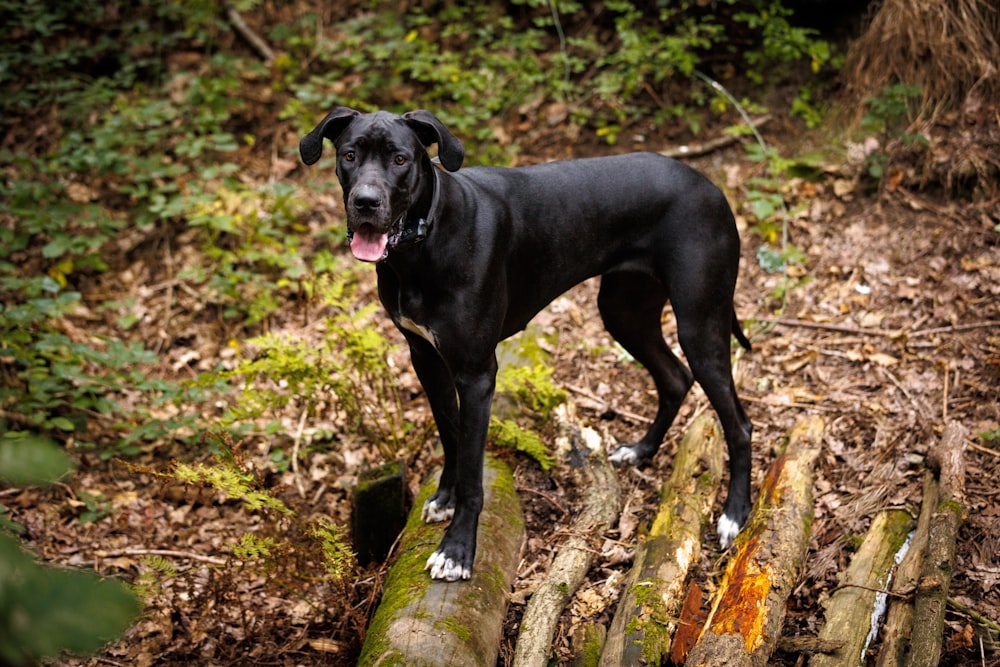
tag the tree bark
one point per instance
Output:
(749, 608)
(570, 566)
(899, 621)
(421, 622)
(932, 590)
(854, 610)
(645, 619)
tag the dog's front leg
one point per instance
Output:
(439, 386)
(454, 558)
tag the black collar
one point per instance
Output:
(415, 231)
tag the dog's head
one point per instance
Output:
(383, 168)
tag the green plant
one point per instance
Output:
(888, 115)
(346, 370)
(473, 62)
(229, 473)
(991, 435)
(508, 433)
(46, 610)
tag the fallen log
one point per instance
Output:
(899, 619)
(854, 610)
(421, 622)
(645, 619)
(749, 607)
(932, 590)
(581, 452)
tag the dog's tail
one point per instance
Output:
(738, 332)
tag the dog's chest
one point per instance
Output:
(409, 315)
(419, 329)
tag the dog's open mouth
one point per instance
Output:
(368, 244)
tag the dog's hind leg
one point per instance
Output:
(631, 304)
(704, 330)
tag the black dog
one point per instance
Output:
(466, 259)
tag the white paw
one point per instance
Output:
(433, 513)
(728, 530)
(442, 567)
(624, 456)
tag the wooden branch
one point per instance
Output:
(882, 333)
(854, 610)
(932, 591)
(749, 607)
(167, 553)
(645, 619)
(570, 566)
(425, 622)
(695, 150)
(256, 41)
(899, 620)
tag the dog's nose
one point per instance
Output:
(366, 198)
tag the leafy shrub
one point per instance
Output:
(345, 372)
(46, 610)
(475, 62)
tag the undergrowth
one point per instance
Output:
(135, 151)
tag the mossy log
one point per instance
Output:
(897, 632)
(421, 622)
(749, 607)
(855, 608)
(646, 616)
(581, 452)
(932, 590)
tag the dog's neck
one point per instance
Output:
(419, 219)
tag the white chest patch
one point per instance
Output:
(418, 329)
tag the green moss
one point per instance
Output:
(455, 627)
(589, 654)
(650, 626)
(407, 580)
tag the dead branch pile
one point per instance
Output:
(950, 49)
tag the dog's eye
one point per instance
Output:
(400, 160)
(349, 156)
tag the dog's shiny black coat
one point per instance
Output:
(465, 258)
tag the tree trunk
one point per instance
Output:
(749, 608)
(645, 620)
(570, 566)
(853, 611)
(421, 622)
(932, 590)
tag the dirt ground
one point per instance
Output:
(890, 330)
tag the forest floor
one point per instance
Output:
(890, 330)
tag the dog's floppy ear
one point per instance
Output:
(311, 146)
(432, 131)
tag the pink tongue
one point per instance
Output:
(368, 245)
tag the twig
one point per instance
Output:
(954, 328)
(695, 150)
(255, 40)
(974, 615)
(839, 328)
(607, 407)
(547, 497)
(883, 333)
(985, 450)
(904, 595)
(162, 552)
(944, 394)
(295, 453)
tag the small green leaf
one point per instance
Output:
(770, 259)
(27, 458)
(62, 424)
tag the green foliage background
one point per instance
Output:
(135, 131)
